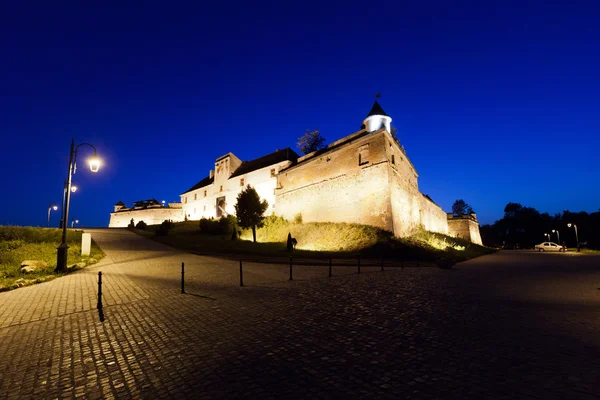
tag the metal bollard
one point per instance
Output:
(330, 267)
(291, 279)
(241, 275)
(99, 305)
(182, 279)
(359, 264)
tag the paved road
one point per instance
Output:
(510, 325)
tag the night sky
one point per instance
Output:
(494, 103)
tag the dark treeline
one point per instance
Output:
(525, 227)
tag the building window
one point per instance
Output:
(204, 208)
(194, 210)
(242, 182)
(393, 160)
(195, 196)
(205, 193)
(363, 154)
(185, 200)
(221, 188)
(272, 172)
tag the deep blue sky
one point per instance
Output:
(494, 101)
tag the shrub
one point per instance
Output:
(298, 218)
(141, 225)
(219, 226)
(164, 228)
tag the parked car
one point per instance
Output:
(549, 246)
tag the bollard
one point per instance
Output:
(182, 279)
(99, 306)
(359, 264)
(291, 268)
(330, 267)
(401, 263)
(241, 275)
(417, 262)
(382, 264)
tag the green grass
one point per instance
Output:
(29, 243)
(318, 240)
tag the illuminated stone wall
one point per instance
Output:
(151, 216)
(465, 227)
(364, 178)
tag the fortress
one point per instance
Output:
(364, 178)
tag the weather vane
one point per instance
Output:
(378, 95)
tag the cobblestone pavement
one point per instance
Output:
(510, 325)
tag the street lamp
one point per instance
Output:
(73, 190)
(61, 255)
(51, 207)
(547, 235)
(557, 234)
(74, 221)
(576, 235)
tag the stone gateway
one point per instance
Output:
(364, 178)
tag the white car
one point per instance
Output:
(549, 246)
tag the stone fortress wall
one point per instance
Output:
(465, 227)
(364, 178)
(122, 215)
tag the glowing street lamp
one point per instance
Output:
(547, 235)
(576, 235)
(557, 234)
(74, 221)
(51, 207)
(61, 255)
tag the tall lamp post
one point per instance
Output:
(557, 234)
(51, 207)
(576, 235)
(547, 236)
(73, 222)
(61, 255)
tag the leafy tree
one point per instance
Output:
(460, 207)
(250, 210)
(311, 141)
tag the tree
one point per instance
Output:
(460, 207)
(249, 210)
(311, 141)
(394, 134)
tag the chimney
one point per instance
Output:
(211, 173)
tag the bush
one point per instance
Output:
(164, 228)
(219, 226)
(298, 218)
(141, 225)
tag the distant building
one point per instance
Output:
(364, 178)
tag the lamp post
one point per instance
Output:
(557, 234)
(74, 221)
(576, 235)
(51, 207)
(61, 255)
(73, 190)
(547, 236)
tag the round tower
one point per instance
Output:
(377, 119)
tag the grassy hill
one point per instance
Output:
(317, 239)
(19, 243)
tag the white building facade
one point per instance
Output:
(216, 195)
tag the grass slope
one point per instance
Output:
(318, 240)
(28, 243)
